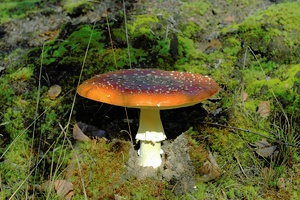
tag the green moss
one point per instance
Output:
(103, 175)
(232, 47)
(273, 33)
(18, 109)
(284, 88)
(72, 6)
(190, 58)
(144, 25)
(16, 168)
(200, 192)
(227, 143)
(119, 34)
(147, 189)
(190, 29)
(146, 45)
(72, 49)
(233, 189)
(195, 7)
(148, 42)
(22, 74)
(18, 159)
(14, 83)
(16, 9)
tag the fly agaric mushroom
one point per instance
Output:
(150, 90)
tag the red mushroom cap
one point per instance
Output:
(148, 88)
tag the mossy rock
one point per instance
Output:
(273, 34)
(17, 9)
(108, 50)
(285, 87)
(195, 7)
(75, 8)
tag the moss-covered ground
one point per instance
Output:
(254, 60)
(17, 9)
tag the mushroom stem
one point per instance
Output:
(150, 134)
(149, 154)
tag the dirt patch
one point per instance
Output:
(176, 167)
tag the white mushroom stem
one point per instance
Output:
(150, 134)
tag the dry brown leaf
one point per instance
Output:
(210, 169)
(281, 182)
(118, 197)
(266, 151)
(215, 44)
(78, 134)
(264, 109)
(244, 96)
(64, 189)
(263, 143)
(54, 91)
(229, 19)
(49, 35)
(264, 148)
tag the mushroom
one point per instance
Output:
(150, 90)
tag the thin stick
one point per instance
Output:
(36, 115)
(110, 38)
(78, 164)
(238, 161)
(127, 37)
(128, 52)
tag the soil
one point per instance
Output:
(176, 167)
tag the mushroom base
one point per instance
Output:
(149, 154)
(150, 134)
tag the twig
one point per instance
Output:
(238, 161)
(127, 37)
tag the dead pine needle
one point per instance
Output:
(239, 163)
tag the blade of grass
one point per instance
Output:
(23, 182)
(72, 108)
(127, 37)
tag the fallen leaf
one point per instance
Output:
(49, 35)
(54, 91)
(64, 189)
(281, 182)
(244, 96)
(91, 131)
(78, 134)
(215, 44)
(118, 197)
(263, 143)
(264, 109)
(266, 152)
(210, 169)
(264, 148)
(229, 19)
